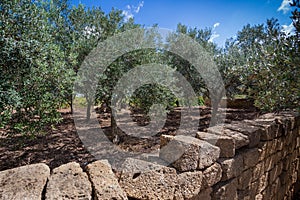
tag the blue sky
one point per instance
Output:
(226, 17)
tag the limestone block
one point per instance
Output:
(144, 180)
(225, 190)
(231, 167)
(271, 129)
(211, 175)
(26, 182)
(245, 179)
(68, 182)
(225, 143)
(258, 170)
(253, 132)
(189, 153)
(190, 183)
(262, 182)
(251, 157)
(275, 172)
(104, 182)
(204, 194)
(240, 139)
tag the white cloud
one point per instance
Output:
(138, 8)
(131, 10)
(287, 29)
(285, 6)
(127, 15)
(216, 24)
(214, 33)
(213, 36)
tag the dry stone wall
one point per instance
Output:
(250, 159)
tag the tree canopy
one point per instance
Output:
(43, 43)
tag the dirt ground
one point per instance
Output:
(62, 145)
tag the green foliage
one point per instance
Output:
(34, 74)
(43, 43)
(264, 64)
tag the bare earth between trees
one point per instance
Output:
(62, 144)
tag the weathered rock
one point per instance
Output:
(165, 139)
(203, 195)
(253, 132)
(225, 190)
(231, 167)
(240, 139)
(144, 180)
(270, 128)
(190, 183)
(189, 153)
(104, 182)
(275, 172)
(68, 182)
(26, 182)
(225, 143)
(251, 157)
(244, 180)
(211, 175)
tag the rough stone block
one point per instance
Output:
(245, 179)
(262, 182)
(68, 182)
(225, 143)
(258, 170)
(269, 163)
(211, 175)
(144, 180)
(275, 172)
(253, 132)
(190, 183)
(251, 157)
(26, 182)
(203, 195)
(231, 167)
(104, 182)
(240, 139)
(271, 129)
(189, 153)
(225, 190)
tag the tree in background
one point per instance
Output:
(265, 65)
(34, 73)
